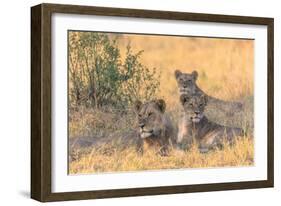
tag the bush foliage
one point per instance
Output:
(99, 77)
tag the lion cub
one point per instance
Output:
(187, 85)
(194, 125)
(155, 128)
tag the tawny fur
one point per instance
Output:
(155, 128)
(224, 109)
(194, 125)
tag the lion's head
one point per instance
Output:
(150, 117)
(186, 82)
(194, 106)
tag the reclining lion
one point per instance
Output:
(154, 126)
(194, 125)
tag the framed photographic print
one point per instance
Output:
(132, 102)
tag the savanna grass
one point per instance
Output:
(97, 161)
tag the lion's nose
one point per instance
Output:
(141, 125)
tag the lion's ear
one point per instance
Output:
(177, 73)
(161, 104)
(184, 98)
(195, 75)
(137, 105)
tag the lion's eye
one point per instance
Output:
(190, 104)
(150, 114)
(201, 105)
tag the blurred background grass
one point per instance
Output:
(225, 66)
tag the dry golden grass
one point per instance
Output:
(240, 154)
(225, 68)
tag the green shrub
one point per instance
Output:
(98, 77)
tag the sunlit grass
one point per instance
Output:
(240, 154)
(225, 66)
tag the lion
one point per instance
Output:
(224, 109)
(194, 125)
(155, 128)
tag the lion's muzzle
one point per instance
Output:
(196, 117)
